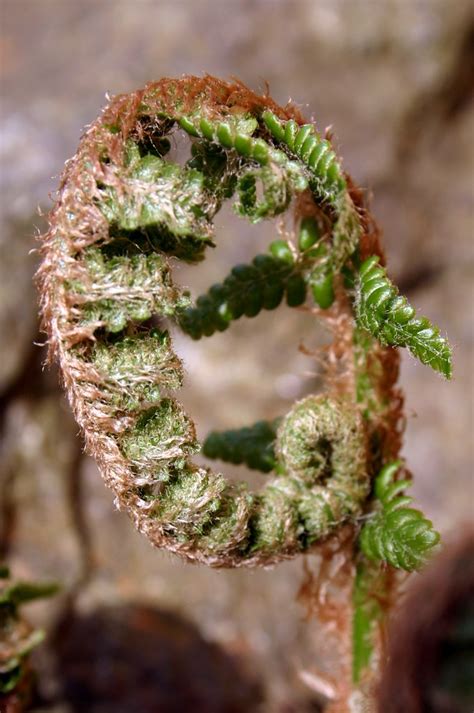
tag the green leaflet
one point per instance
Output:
(321, 276)
(253, 445)
(390, 318)
(276, 193)
(263, 284)
(327, 182)
(247, 290)
(397, 534)
(267, 166)
(23, 592)
(311, 149)
(17, 639)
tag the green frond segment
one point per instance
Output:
(252, 446)
(137, 371)
(162, 433)
(320, 447)
(248, 289)
(327, 181)
(314, 151)
(275, 189)
(263, 284)
(20, 593)
(397, 534)
(16, 637)
(211, 161)
(280, 176)
(389, 317)
(142, 286)
(264, 167)
(155, 192)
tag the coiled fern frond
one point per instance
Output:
(128, 210)
(397, 534)
(389, 317)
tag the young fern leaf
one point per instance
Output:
(253, 445)
(326, 180)
(126, 212)
(390, 318)
(397, 534)
(247, 290)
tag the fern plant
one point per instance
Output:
(125, 213)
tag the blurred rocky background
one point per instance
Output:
(394, 79)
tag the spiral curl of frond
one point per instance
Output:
(125, 213)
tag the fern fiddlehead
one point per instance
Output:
(125, 212)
